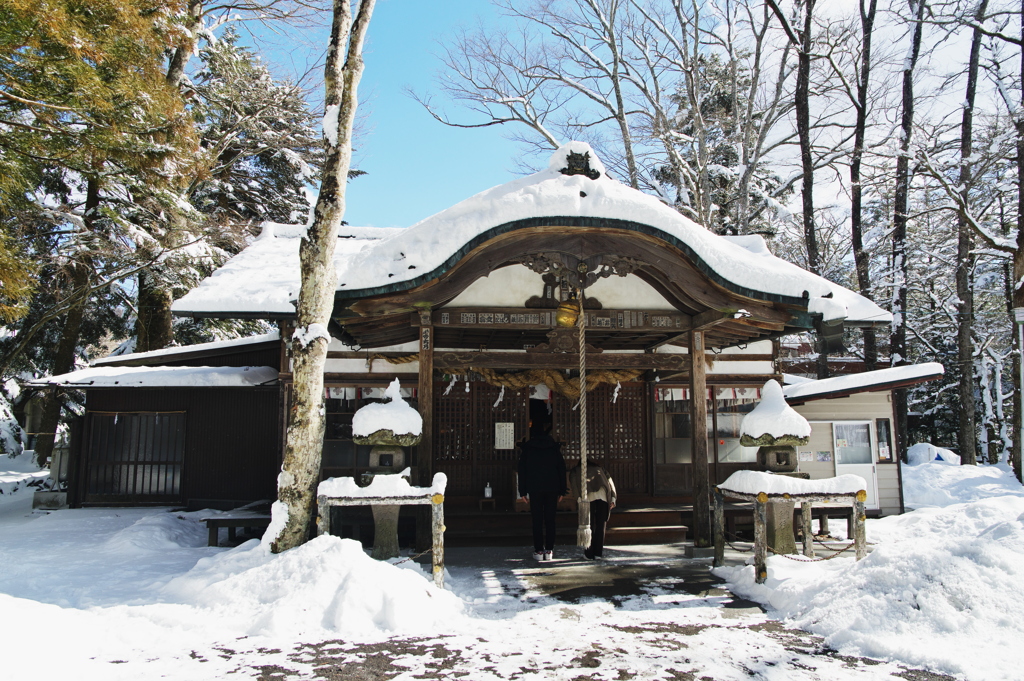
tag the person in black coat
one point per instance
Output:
(542, 480)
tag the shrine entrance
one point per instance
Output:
(477, 428)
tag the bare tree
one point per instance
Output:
(300, 470)
(898, 338)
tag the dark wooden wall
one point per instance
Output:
(232, 439)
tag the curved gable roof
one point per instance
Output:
(430, 248)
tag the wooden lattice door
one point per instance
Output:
(464, 436)
(616, 432)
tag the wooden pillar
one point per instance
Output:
(805, 516)
(437, 533)
(761, 538)
(719, 528)
(699, 420)
(425, 448)
(859, 536)
(425, 451)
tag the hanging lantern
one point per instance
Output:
(568, 312)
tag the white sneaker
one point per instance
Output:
(549, 555)
(538, 555)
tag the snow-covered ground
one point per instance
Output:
(137, 594)
(943, 587)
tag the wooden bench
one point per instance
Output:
(233, 520)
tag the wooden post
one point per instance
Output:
(699, 421)
(805, 516)
(437, 531)
(761, 538)
(859, 537)
(823, 522)
(425, 396)
(718, 526)
(323, 521)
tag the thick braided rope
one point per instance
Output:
(555, 379)
(583, 530)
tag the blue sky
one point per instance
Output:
(415, 166)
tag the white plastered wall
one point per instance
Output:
(860, 407)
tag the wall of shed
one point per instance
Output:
(860, 407)
(232, 438)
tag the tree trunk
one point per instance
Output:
(1018, 276)
(898, 339)
(64, 357)
(300, 470)
(182, 52)
(967, 430)
(154, 326)
(803, 128)
(860, 256)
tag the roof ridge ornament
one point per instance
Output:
(579, 164)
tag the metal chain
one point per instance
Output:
(791, 557)
(813, 560)
(406, 560)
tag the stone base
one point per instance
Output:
(50, 501)
(385, 531)
(699, 552)
(780, 526)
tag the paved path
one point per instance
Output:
(645, 612)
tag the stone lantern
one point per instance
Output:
(388, 427)
(776, 429)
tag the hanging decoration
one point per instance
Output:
(555, 379)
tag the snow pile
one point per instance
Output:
(923, 452)
(190, 377)
(387, 485)
(940, 484)
(938, 580)
(10, 431)
(327, 587)
(755, 482)
(17, 473)
(396, 415)
(772, 416)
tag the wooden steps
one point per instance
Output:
(626, 526)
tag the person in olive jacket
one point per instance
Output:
(542, 480)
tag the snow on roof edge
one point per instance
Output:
(186, 349)
(161, 377)
(868, 381)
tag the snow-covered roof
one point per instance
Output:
(168, 353)
(162, 377)
(263, 280)
(427, 249)
(868, 381)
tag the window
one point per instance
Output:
(852, 443)
(883, 434)
(135, 456)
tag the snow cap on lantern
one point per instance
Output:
(392, 423)
(774, 423)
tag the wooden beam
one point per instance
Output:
(698, 425)
(559, 360)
